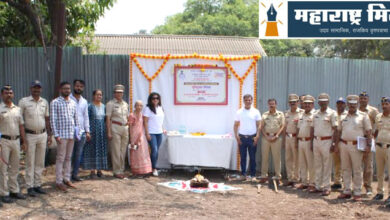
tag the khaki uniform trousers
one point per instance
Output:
(118, 147)
(322, 163)
(382, 156)
(368, 170)
(337, 167)
(275, 148)
(10, 150)
(351, 165)
(291, 152)
(306, 163)
(35, 158)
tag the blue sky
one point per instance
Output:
(130, 16)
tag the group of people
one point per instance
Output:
(84, 133)
(316, 139)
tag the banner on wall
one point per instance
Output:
(200, 85)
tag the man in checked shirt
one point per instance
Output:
(64, 123)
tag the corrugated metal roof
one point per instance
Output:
(178, 44)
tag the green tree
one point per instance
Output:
(299, 48)
(214, 17)
(33, 22)
(229, 18)
(356, 49)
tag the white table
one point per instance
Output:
(207, 151)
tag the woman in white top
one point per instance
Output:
(153, 121)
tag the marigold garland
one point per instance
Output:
(241, 79)
(150, 79)
(131, 85)
(255, 85)
(195, 55)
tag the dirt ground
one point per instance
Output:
(134, 198)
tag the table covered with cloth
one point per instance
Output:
(206, 151)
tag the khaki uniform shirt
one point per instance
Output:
(273, 122)
(10, 119)
(292, 119)
(117, 111)
(383, 126)
(354, 125)
(305, 123)
(372, 112)
(34, 113)
(323, 123)
(339, 116)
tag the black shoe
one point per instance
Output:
(1, 205)
(76, 179)
(378, 197)
(17, 196)
(31, 192)
(336, 186)
(39, 190)
(387, 200)
(7, 199)
(99, 173)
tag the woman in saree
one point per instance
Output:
(139, 152)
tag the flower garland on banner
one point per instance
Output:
(255, 85)
(131, 84)
(150, 78)
(195, 55)
(241, 79)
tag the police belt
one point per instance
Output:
(323, 138)
(119, 123)
(35, 132)
(349, 142)
(383, 145)
(11, 138)
(291, 135)
(304, 138)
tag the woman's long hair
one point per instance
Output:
(150, 103)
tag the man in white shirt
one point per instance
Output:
(81, 133)
(247, 131)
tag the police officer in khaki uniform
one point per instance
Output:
(291, 146)
(324, 127)
(382, 155)
(35, 112)
(367, 157)
(12, 130)
(305, 144)
(273, 124)
(301, 101)
(117, 112)
(340, 111)
(353, 125)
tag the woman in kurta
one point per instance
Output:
(95, 151)
(139, 152)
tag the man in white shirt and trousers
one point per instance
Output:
(247, 131)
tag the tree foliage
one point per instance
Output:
(356, 49)
(22, 21)
(214, 17)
